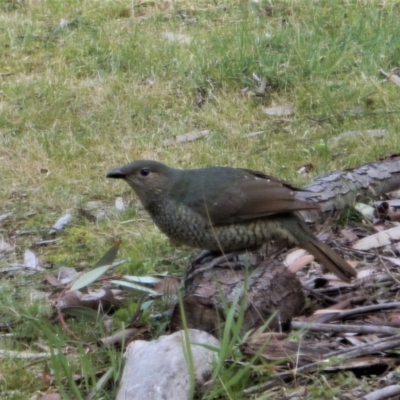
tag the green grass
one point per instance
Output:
(108, 88)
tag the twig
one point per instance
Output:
(363, 329)
(386, 268)
(364, 283)
(322, 296)
(357, 311)
(384, 74)
(340, 355)
(384, 393)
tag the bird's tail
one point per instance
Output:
(301, 235)
(330, 259)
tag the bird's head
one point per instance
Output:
(149, 179)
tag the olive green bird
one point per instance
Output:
(226, 209)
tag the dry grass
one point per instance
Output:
(107, 88)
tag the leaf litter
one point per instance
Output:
(349, 326)
(60, 224)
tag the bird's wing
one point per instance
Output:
(252, 195)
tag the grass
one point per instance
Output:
(105, 87)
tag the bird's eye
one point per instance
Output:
(144, 172)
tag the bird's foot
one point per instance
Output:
(202, 257)
(201, 264)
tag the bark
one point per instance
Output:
(262, 292)
(338, 190)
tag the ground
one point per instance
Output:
(88, 86)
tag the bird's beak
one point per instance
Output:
(116, 174)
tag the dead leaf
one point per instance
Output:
(95, 205)
(394, 79)
(300, 263)
(188, 137)
(285, 110)
(31, 261)
(369, 133)
(305, 169)
(368, 272)
(379, 239)
(50, 396)
(63, 23)
(393, 317)
(393, 76)
(123, 337)
(103, 299)
(395, 194)
(253, 134)
(293, 256)
(246, 92)
(5, 216)
(177, 37)
(102, 384)
(60, 224)
(349, 235)
(119, 204)
(276, 348)
(66, 275)
(5, 247)
(260, 92)
(37, 294)
(395, 261)
(366, 210)
(53, 281)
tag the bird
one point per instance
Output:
(225, 209)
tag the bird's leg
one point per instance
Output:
(196, 267)
(202, 256)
